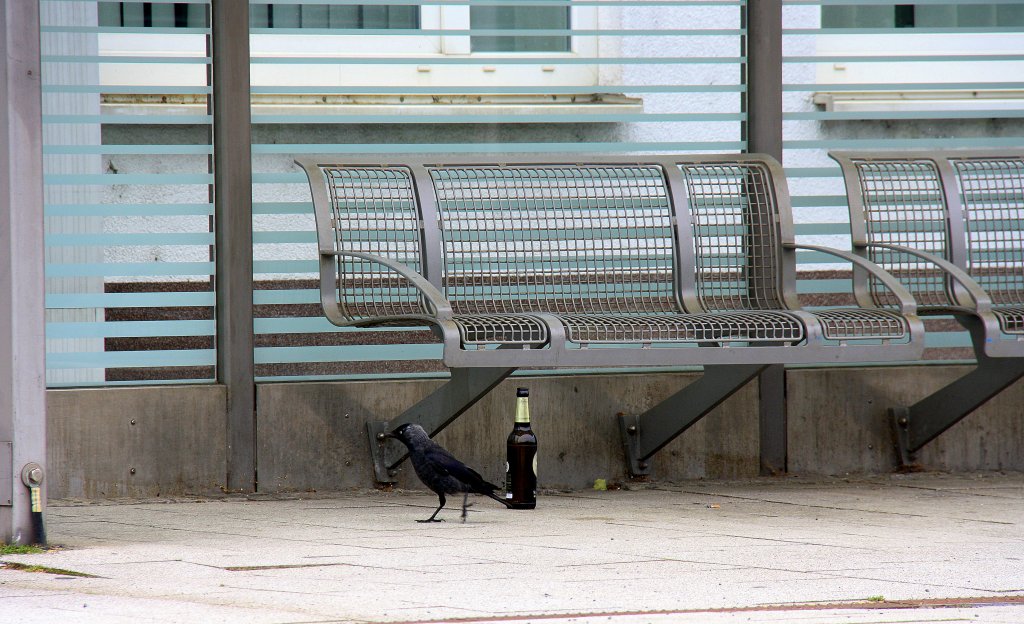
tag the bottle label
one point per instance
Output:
(522, 410)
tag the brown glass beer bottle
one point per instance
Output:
(521, 468)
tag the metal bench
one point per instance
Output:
(585, 262)
(950, 226)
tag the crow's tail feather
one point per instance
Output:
(498, 498)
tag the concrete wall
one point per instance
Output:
(137, 442)
(312, 435)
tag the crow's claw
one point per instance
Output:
(431, 520)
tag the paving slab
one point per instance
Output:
(894, 548)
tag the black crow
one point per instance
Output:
(440, 471)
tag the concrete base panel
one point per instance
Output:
(312, 435)
(838, 422)
(137, 442)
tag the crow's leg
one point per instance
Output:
(465, 504)
(440, 497)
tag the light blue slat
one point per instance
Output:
(127, 60)
(110, 269)
(133, 382)
(901, 86)
(891, 144)
(349, 353)
(476, 148)
(262, 238)
(130, 329)
(903, 58)
(473, 118)
(282, 208)
(131, 359)
(144, 119)
(129, 89)
(127, 149)
(531, 60)
(149, 30)
(130, 210)
(129, 300)
(269, 297)
(814, 201)
(286, 266)
(313, 324)
(546, 3)
(918, 30)
(510, 32)
(824, 286)
(918, 114)
(130, 239)
(128, 178)
(485, 90)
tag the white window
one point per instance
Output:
(443, 46)
(965, 46)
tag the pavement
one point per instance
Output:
(893, 548)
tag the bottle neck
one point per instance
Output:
(522, 410)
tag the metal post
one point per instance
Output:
(232, 197)
(22, 341)
(763, 132)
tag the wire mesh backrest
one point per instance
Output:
(374, 210)
(567, 239)
(735, 229)
(904, 205)
(992, 192)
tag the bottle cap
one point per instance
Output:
(522, 392)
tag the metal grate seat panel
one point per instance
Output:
(476, 329)
(374, 210)
(860, 324)
(736, 234)
(1011, 319)
(762, 326)
(992, 191)
(904, 205)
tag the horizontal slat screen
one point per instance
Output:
(127, 140)
(128, 216)
(874, 75)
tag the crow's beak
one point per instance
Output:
(388, 434)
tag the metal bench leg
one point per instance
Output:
(925, 420)
(646, 434)
(433, 413)
(922, 422)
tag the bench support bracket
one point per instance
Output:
(922, 422)
(925, 420)
(646, 434)
(434, 412)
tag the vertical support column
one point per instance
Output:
(763, 133)
(22, 303)
(232, 199)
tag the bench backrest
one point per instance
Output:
(964, 206)
(607, 235)
(560, 238)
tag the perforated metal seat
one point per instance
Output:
(760, 326)
(1011, 319)
(859, 324)
(510, 329)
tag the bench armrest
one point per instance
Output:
(907, 304)
(436, 301)
(982, 302)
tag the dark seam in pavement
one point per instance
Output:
(923, 603)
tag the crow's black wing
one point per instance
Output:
(445, 461)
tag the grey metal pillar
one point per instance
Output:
(763, 132)
(22, 341)
(232, 197)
